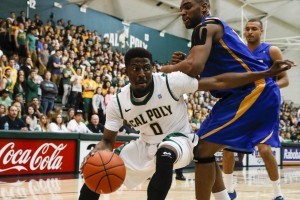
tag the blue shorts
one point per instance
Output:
(245, 119)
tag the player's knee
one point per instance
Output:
(199, 150)
(206, 149)
(264, 150)
(165, 156)
(204, 160)
(228, 155)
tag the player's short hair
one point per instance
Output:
(256, 20)
(202, 1)
(137, 53)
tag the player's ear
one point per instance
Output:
(204, 8)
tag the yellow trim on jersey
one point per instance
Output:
(268, 137)
(261, 81)
(248, 101)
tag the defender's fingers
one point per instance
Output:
(285, 62)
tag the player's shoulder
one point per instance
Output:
(274, 48)
(170, 76)
(264, 45)
(121, 92)
(211, 21)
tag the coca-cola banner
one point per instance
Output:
(37, 156)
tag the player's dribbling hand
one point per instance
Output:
(178, 57)
(280, 66)
(91, 154)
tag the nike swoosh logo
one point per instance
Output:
(126, 110)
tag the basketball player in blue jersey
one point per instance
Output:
(267, 54)
(244, 116)
(153, 104)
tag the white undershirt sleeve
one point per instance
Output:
(114, 120)
(181, 83)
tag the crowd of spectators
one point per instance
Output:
(289, 127)
(56, 63)
(43, 64)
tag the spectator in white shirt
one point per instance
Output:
(76, 125)
(76, 93)
(57, 124)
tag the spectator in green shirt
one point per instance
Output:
(32, 87)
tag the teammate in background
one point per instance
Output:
(179, 174)
(153, 104)
(217, 49)
(267, 54)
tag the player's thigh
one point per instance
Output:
(135, 154)
(183, 148)
(140, 165)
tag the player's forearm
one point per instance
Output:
(282, 83)
(108, 140)
(190, 66)
(282, 80)
(230, 80)
(105, 144)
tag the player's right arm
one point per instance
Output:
(107, 142)
(194, 64)
(113, 122)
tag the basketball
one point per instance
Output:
(104, 172)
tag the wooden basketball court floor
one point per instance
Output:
(251, 184)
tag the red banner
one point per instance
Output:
(36, 156)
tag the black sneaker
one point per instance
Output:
(180, 177)
(279, 198)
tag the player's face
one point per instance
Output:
(253, 32)
(139, 72)
(191, 13)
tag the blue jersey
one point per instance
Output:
(244, 116)
(262, 54)
(229, 54)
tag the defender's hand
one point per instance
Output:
(280, 66)
(178, 57)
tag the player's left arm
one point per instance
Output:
(282, 78)
(232, 80)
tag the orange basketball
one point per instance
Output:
(104, 172)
